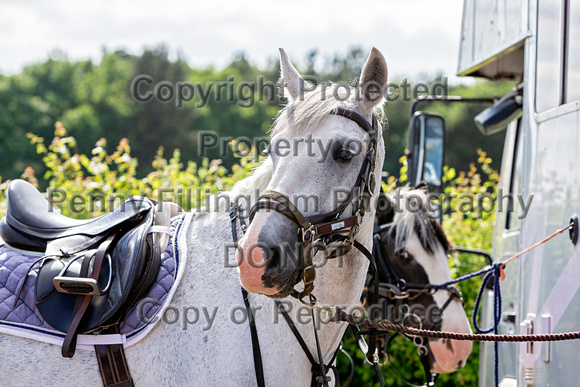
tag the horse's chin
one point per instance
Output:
(449, 355)
(287, 287)
(259, 289)
(269, 288)
(280, 295)
(274, 293)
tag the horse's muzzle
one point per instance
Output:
(268, 256)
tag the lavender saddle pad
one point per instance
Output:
(25, 320)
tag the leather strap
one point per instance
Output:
(327, 224)
(294, 330)
(113, 364)
(318, 368)
(360, 120)
(283, 206)
(24, 278)
(257, 353)
(337, 225)
(82, 302)
(364, 347)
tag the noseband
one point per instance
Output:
(327, 230)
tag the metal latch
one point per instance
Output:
(527, 350)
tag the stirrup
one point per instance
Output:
(79, 285)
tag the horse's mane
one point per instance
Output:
(252, 185)
(419, 220)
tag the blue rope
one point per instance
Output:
(445, 285)
(494, 273)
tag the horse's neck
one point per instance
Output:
(253, 185)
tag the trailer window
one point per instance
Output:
(548, 54)
(573, 53)
(514, 209)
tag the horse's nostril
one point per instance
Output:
(272, 257)
(281, 267)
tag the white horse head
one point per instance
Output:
(316, 157)
(415, 249)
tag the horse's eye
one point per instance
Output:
(343, 155)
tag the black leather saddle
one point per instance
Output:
(92, 271)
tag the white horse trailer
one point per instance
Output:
(537, 44)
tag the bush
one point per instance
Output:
(81, 187)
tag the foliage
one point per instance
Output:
(82, 186)
(95, 101)
(94, 160)
(472, 228)
(88, 179)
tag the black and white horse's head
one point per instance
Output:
(412, 255)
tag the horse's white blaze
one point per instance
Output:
(449, 355)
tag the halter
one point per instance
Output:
(326, 229)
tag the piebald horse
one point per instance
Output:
(410, 250)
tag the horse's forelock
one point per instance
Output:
(421, 221)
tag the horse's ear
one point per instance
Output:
(293, 81)
(373, 81)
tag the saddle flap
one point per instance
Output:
(57, 308)
(135, 258)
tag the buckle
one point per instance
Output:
(233, 212)
(307, 235)
(79, 285)
(371, 183)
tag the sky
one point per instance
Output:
(415, 36)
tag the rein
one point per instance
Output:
(319, 369)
